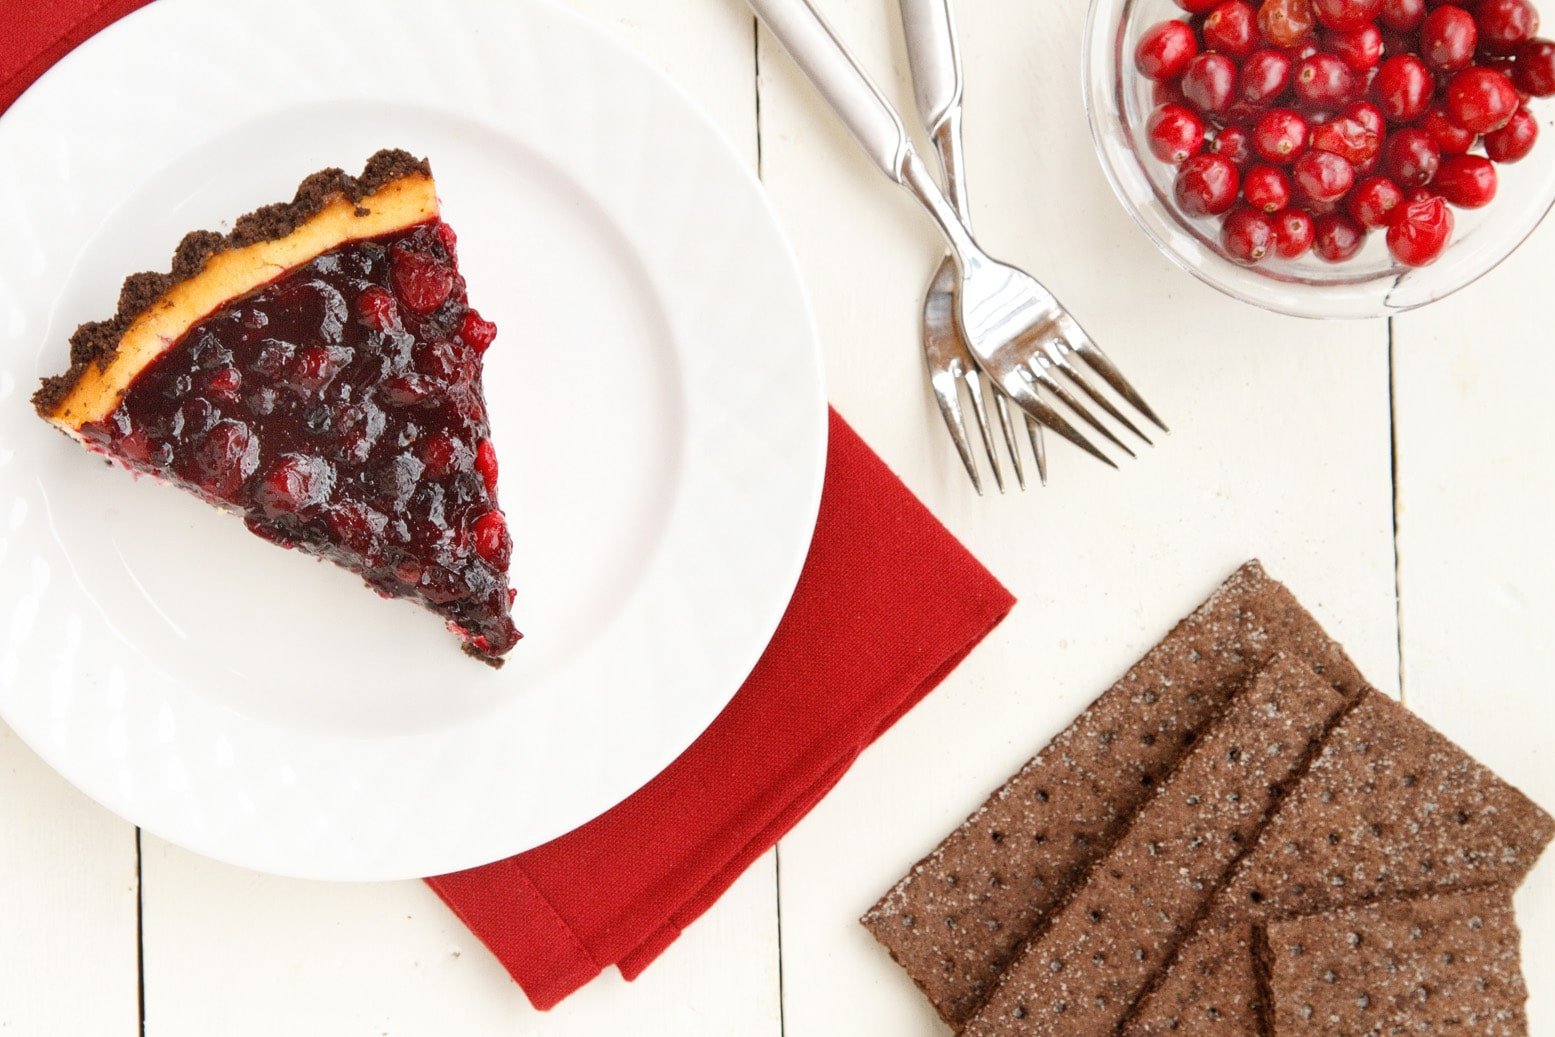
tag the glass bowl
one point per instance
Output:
(1118, 101)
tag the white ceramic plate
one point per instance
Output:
(657, 403)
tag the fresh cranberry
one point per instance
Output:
(1165, 50)
(1336, 237)
(478, 334)
(1347, 15)
(1266, 188)
(1196, 6)
(492, 542)
(421, 282)
(1535, 70)
(1360, 49)
(1481, 100)
(1208, 82)
(486, 464)
(1368, 115)
(1322, 176)
(1401, 15)
(1264, 76)
(1419, 231)
(1293, 233)
(1467, 181)
(1231, 28)
(1247, 235)
(378, 309)
(1323, 81)
(1286, 23)
(1448, 38)
(1513, 141)
(1235, 144)
(1175, 133)
(1206, 185)
(1280, 135)
(1411, 157)
(1503, 24)
(1403, 88)
(1346, 137)
(1451, 139)
(1373, 201)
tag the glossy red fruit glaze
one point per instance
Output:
(492, 542)
(477, 333)
(1234, 143)
(1164, 50)
(1247, 235)
(1348, 138)
(1467, 181)
(1503, 24)
(1286, 23)
(1448, 38)
(1403, 88)
(1359, 49)
(1206, 185)
(1346, 15)
(1480, 99)
(1322, 176)
(1293, 233)
(1420, 230)
(377, 308)
(1175, 133)
(1264, 77)
(1373, 200)
(1513, 141)
(1323, 81)
(422, 282)
(1401, 15)
(1336, 237)
(1208, 82)
(1411, 157)
(1535, 70)
(1231, 28)
(1280, 135)
(1368, 115)
(486, 464)
(1266, 188)
(1451, 139)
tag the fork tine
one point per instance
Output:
(1018, 385)
(1038, 365)
(1078, 378)
(1038, 447)
(944, 385)
(1098, 361)
(1002, 406)
(974, 384)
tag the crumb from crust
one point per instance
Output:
(94, 342)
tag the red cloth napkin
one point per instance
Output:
(887, 604)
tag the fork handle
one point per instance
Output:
(846, 87)
(935, 59)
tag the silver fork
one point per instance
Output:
(936, 76)
(1013, 327)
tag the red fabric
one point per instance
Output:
(888, 603)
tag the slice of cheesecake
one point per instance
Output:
(317, 371)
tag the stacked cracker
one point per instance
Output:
(1181, 858)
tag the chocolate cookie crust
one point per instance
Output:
(94, 342)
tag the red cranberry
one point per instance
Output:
(1167, 92)
(1411, 157)
(1448, 38)
(1467, 181)
(1231, 28)
(1346, 137)
(1514, 140)
(1293, 233)
(1360, 49)
(1208, 82)
(1403, 88)
(448, 239)
(224, 383)
(1451, 139)
(1322, 176)
(438, 452)
(1535, 70)
(1369, 116)
(1347, 15)
(227, 456)
(490, 533)
(1336, 237)
(1264, 76)
(1235, 144)
(1206, 185)
(1196, 6)
(1373, 201)
(1286, 23)
(1503, 24)
(378, 309)
(1175, 133)
(311, 370)
(1165, 50)
(1323, 81)
(1247, 235)
(478, 334)
(293, 483)
(1266, 188)
(1419, 231)
(486, 464)
(1280, 135)
(1480, 100)
(1401, 15)
(421, 282)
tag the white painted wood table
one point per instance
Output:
(1398, 475)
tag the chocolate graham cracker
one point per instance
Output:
(1388, 807)
(1083, 971)
(962, 912)
(1443, 964)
